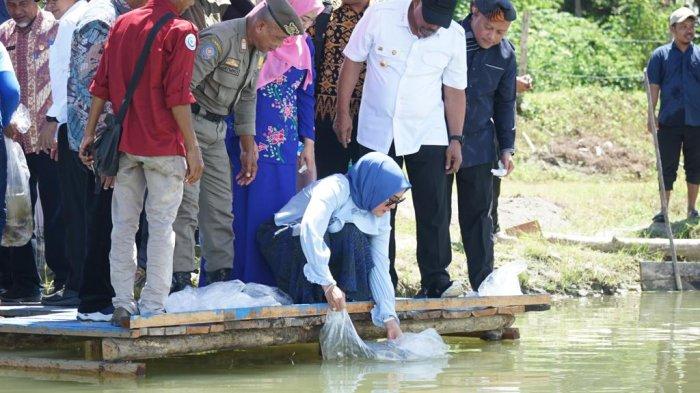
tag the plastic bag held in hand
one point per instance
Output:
(339, 340)
(21, 119)
(503, 281)
(20, 223)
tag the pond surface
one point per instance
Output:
(632, 343)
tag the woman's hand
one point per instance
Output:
(393, 330)
(307, 156)
(335, 297)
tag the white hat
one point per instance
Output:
(680, 15)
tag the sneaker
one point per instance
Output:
(456, 289)
(104, 315)
(693, 215)
(120, 317)
(219, 275)
(62, 298)
(659, 218)
(180, 281)
(14, 295)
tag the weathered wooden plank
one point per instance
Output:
(300, 310)
(217, 328)
(658, 276)
(28, 311)
(198, 329)
(73, 366)
(175, 330)
(62, 326)
(92, 350)
(485, 312)
(157, 347)
(511, 310)
(156, 331)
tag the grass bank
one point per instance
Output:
(585, 165)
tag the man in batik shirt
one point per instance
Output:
(27, 37)
(331, 157)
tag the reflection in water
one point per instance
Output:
(347, 377)
(635, 343)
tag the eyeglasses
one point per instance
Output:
(394, 201)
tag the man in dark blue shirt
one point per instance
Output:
(674, 72)
(490, 122)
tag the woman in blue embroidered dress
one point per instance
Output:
(284, 123)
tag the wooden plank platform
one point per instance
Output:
(305, 310)
(62, 323)
(658, 276)
(188, 333)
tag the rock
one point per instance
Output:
(582, 292)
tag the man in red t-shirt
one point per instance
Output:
(156, 135)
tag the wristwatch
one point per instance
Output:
(458, 138)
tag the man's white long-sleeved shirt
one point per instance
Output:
(59, 60)
(402, 95)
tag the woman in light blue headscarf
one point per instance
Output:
(331, 241)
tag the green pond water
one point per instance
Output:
(633, 343)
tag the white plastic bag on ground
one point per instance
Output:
(18, 203)
(339, 340)
(503, 281)
(225, 295)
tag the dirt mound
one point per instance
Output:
(593, 154)
(519, 210)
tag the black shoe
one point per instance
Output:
(659, 218)
(219, 275)
(62, 298)
(693, 215)
(181, 280)
(20, 296)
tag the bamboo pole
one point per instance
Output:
(662, 190)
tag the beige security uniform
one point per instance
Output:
(224, 81)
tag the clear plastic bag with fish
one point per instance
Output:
(339, 340)
(503, 281)
(225, 295)
(19, 223)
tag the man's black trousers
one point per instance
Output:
(73, 175)
(431, 204)
(96, 291)
(474, 197)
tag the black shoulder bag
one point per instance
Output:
(106, 145)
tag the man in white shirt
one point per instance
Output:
(70, 168)
(413, 107)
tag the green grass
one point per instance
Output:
(616, 197)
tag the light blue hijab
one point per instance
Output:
(375, 178)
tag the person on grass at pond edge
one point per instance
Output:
(332, 239)
(490, 123)
(674, 75)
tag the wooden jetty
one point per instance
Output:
(110, 350)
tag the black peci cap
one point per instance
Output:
(439, 12)
(489, 6)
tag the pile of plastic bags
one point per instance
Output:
(20, 223)
(339, 340)
(225, 295)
